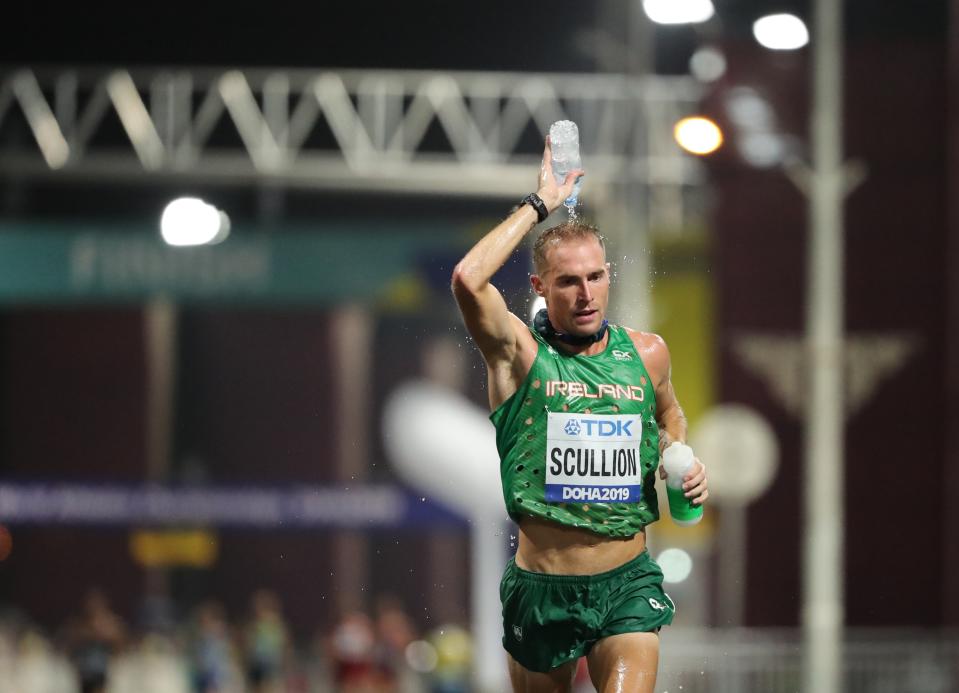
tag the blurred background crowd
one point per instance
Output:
(210, 650)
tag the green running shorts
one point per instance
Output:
(549, 620)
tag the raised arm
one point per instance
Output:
(487, 318)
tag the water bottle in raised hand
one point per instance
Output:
(678, 461)
(564, 144)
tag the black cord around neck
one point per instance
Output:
(545, 329)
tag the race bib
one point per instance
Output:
(593, 457)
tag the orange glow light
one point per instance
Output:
(698, 135)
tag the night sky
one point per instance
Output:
(489, 35)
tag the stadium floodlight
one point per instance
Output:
(698, 135)
(781, 32)
(191, 221)
(678, 11)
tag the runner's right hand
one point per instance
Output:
(552, 194)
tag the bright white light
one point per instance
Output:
(538, 304)
(707, 64)
(698, 135)
(421, 656)
(676, 565)
(678, 11)
(191, 221)
(781, 32)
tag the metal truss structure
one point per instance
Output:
(382, 131)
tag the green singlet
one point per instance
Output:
(578, 441)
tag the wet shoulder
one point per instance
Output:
(653, 351)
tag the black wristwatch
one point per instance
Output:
(536, 202)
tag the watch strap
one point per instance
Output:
(536, 202)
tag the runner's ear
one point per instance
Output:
(537, 283)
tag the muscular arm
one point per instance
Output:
(483, 308)
(669, 415)
(502, 337)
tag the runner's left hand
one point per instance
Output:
(694, 483)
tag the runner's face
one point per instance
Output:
(575, 285)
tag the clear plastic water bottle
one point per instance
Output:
(678, 461)
(564, 142)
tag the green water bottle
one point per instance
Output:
(678, 461)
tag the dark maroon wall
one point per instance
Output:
(73, 407)
(895, 279)
(73, 395)
(950, 456)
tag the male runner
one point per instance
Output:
(581, 410)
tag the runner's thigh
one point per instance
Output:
(559, 680)
(625, 662)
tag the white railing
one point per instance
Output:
(770, 661)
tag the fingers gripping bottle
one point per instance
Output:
(678, 461)
(564, 143)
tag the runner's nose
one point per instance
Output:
(584, 292)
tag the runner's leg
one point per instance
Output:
(625, 662)
(559, 680)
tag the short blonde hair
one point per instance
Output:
(566, 231)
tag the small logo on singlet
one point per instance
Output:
(572, 427)
(655, 603)
(518, 633)
(622, 355)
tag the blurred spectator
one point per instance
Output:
(158, 612)
(8, 649)
(34, 667)
(394, 633)
(155, 666)
(352, 649)
(454, 656)
(267, 643)
(93, 639)
(214, 664)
